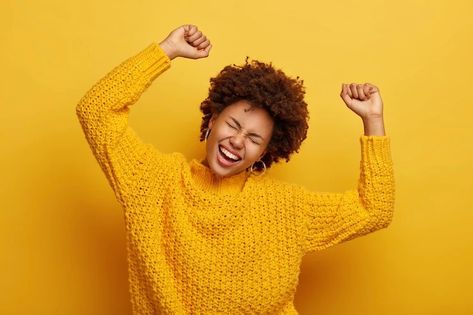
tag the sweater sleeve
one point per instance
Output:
(333, 218)
(103, 114)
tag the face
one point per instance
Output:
(238, 137)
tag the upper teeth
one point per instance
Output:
(229, 154)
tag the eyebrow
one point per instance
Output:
(251, 133)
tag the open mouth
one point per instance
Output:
(227, 157)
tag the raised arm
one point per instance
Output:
(103, 111)
(332, 218)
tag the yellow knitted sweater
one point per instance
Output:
(199, 245)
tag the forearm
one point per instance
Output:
(123, 84)
(376, 185)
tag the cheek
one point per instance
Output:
(221, 132)
(253, 152)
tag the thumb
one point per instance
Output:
(369, 89)
(201, 53)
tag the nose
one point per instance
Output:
(237, 140)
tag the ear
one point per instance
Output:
(211, 121)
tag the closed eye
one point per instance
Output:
(252, 139)
(231, 126)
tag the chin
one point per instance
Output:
(220, 172)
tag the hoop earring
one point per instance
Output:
(253, 171)
(207, 134)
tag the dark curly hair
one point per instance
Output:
(261, 85)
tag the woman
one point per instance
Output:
(218, 236)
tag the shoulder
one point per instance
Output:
(165, 163)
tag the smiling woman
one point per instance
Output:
(214, 236)
(276, 108)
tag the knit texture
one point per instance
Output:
(197, 244)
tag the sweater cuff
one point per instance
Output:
(375, 152)
(152, 61)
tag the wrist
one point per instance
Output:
(374, 126)
(168, 50)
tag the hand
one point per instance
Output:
(186, 41)
(363, 99)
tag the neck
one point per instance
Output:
(209, 181)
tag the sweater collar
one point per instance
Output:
(205, 180)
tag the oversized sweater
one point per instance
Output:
(197, 244)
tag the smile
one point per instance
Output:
(225, 157)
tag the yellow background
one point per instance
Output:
(62, 233)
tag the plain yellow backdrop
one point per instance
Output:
(62, 232)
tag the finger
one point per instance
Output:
(194, 36)
(366, 90)
(187, 28)
(199, 41)
(190, 29)
(345, 90)
(353, 90)
(207, 49)
(361, 93)
(345, 94)
(204, 44)
(348, 90)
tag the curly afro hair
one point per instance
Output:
(261, 85)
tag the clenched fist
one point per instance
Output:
(186, 41)
(363, 99)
